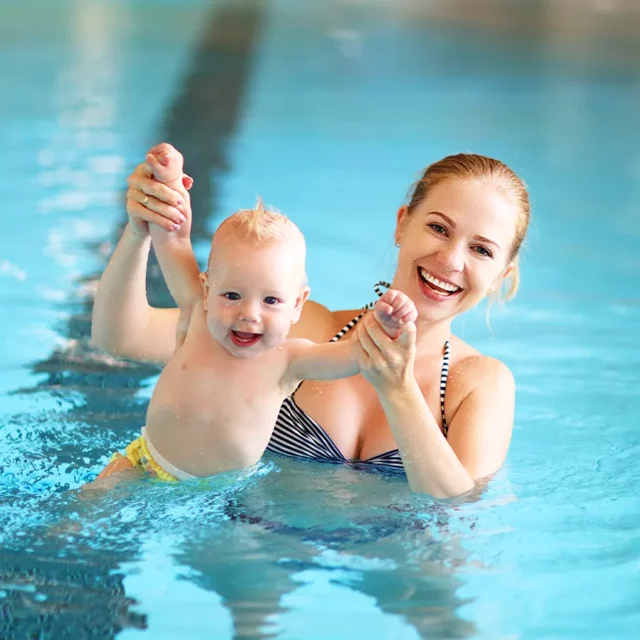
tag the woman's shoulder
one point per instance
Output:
(471, 370)
(318, 323)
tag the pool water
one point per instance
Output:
(328, 110)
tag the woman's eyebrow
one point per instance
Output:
(453, 226)
(483, 239)
(447, 218)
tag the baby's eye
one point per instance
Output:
(271, 300)
(438, 228)
(483, 251)
(232, 295)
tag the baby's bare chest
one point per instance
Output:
(206, 382)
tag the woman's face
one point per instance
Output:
(455, 247)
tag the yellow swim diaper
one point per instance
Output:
(139, 456)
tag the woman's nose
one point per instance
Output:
(451, 256)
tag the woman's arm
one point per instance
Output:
(123, 323)
(478, 435)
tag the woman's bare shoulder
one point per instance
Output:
(318, 323)
(471, 370)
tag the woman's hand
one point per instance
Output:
(386, 363)
(150, 201)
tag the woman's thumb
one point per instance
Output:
(407, 335)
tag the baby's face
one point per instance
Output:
(254, 295)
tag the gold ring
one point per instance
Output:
(145, 201)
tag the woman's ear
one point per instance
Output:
(401, 222)
(204, 281)
(500, 279)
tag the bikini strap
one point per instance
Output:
(377, 287)
(444, 375)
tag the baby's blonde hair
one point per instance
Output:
(261, 225)
(258, 223)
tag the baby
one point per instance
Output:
(216, 401)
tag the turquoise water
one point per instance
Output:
(328, 110)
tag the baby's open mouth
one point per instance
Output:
(440, 287)
(244, 338)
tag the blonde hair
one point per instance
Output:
(258, 223)
(470, 166)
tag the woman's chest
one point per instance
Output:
(351, 414)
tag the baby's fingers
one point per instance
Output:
(406, 312)
(154, 162)
(390, 297)
(383, 309)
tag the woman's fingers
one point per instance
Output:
(139, 211)
(156, 206)
(139, 180)
(365, 340)
(407, 337)
(376, 333)
(187, 182)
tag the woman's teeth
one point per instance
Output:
(437, 285)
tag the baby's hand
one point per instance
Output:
(167, 163)
(393, 310)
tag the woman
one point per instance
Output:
(427, 402)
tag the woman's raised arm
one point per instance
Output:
(123, 323)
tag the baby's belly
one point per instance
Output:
(208, 415)
(209, 439)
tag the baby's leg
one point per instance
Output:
(116, 471)
(117, 465)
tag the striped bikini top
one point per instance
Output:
(297, 435)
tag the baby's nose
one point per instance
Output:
(249, 313)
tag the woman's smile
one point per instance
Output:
(438, 287)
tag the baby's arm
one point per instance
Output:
(325, 361)
(332, 360)
(173, 248)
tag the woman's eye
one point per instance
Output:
(232, 295)
(271, 300)
(483, 251)
(438, 228)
